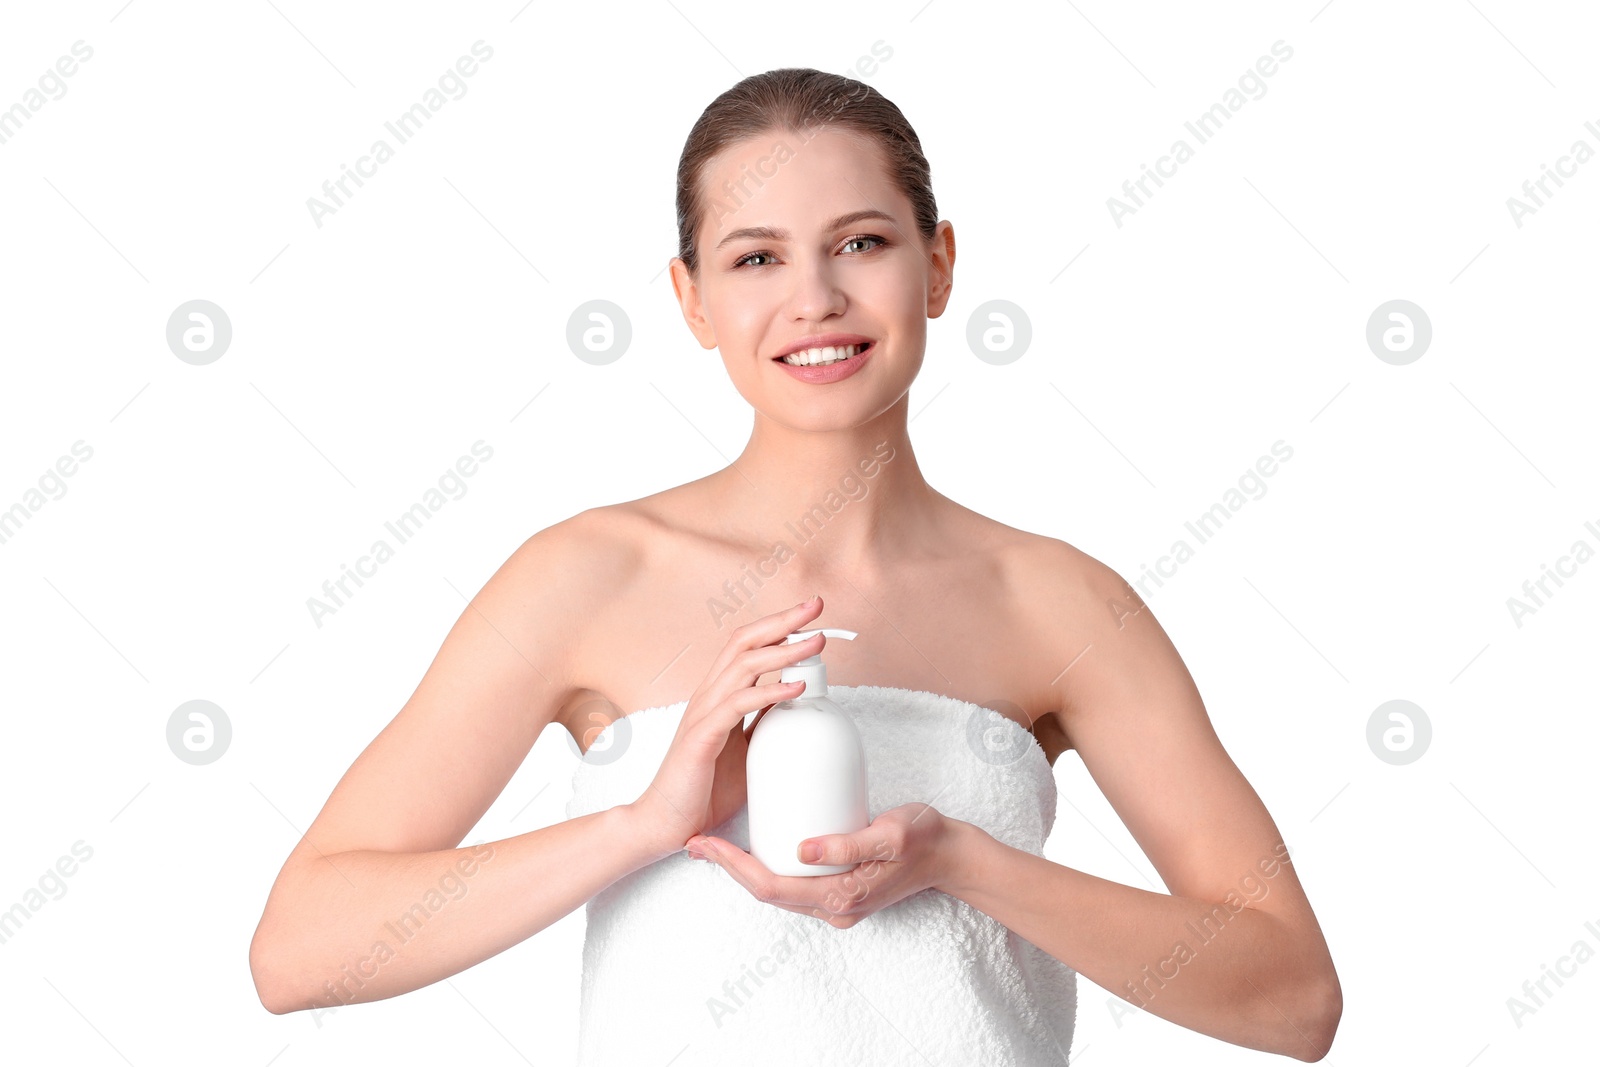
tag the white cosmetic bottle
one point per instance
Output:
(805, 771)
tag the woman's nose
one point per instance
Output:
(816, 292)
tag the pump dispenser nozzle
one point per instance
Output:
(811, 670)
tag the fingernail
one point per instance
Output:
(810, 852)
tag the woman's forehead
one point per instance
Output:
(778, 181)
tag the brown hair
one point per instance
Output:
(800, 100)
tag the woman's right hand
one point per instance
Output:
(701, 782)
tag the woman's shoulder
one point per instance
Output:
(1052, 559)
(563, 581)
(603, 550)
(633, 529)
(1058, 591)
(600, 543)
(1034, 560)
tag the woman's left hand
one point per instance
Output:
(904, 851)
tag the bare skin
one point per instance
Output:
(948, 616)
(625, 607)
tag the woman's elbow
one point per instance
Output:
(1325, 1008)
(274, 988)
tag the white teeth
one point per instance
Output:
(819, 356)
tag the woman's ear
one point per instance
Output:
(687, 291)
(941, 277)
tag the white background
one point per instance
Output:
(430, 312)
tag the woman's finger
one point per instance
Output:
(784, 891)
(767, 631)
(732, 693)
(722, 717)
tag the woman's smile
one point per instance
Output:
(826, 357)
(831, 368)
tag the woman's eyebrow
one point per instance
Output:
(769, 233)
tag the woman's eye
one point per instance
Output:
(868, 237)
(748, 259)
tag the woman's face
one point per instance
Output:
(801, 238)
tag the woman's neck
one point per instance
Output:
(857, 494)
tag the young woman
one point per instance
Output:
(811, 257)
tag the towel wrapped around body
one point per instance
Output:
(682, 965)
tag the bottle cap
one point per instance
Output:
(811, 670)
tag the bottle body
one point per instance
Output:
(805, 776)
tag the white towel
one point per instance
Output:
(682, 965)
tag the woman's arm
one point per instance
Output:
(376, 900)
(1235, 952)
(1231, 968)
(364, 925)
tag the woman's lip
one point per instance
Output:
(834, 371)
